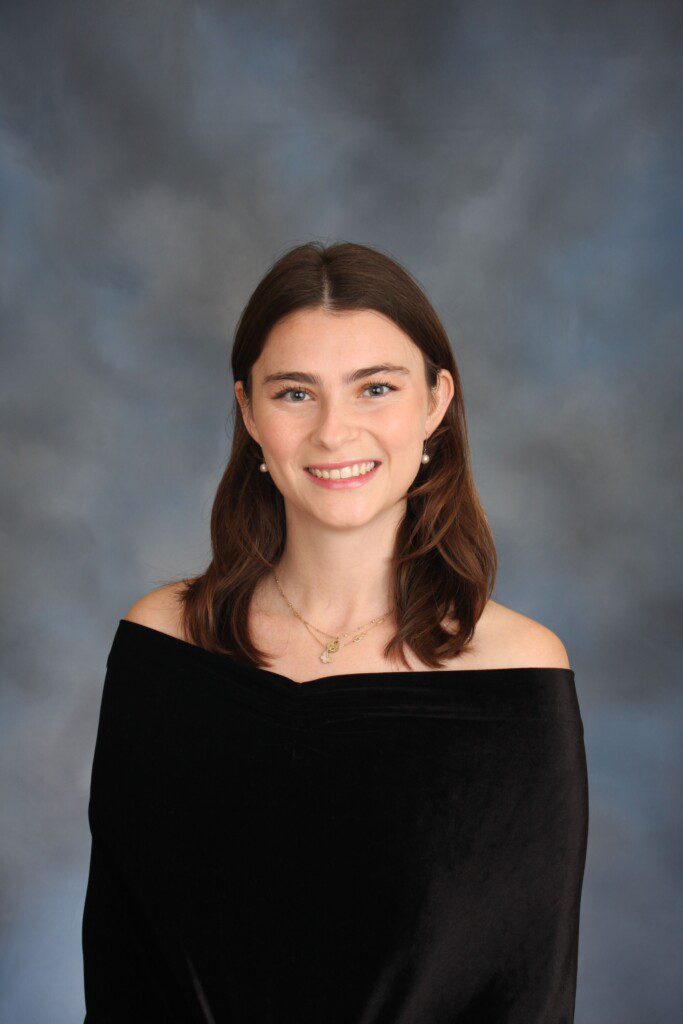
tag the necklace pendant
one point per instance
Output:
(330, 648)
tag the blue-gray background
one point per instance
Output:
(524, 162)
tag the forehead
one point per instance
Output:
(315, 339)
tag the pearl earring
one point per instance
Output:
(263, 467)
(425, 457)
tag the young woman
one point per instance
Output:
(335, 782)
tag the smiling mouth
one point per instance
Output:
(344, 471)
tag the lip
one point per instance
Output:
(348, 482)
(340, 465)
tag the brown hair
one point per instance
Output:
(444, 561)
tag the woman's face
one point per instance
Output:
(316, 400)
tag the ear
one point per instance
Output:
(245, 410)
(441, 397)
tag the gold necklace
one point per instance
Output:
(334, 645)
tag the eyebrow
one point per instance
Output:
(350, 378)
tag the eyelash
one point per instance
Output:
(373, 384)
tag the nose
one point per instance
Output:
(334, 429)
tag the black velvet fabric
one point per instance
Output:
(375, 848)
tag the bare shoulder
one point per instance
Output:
(514, 640)
(159, 609)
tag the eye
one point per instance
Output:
(381, 384)
(305, 391)
(288, 391)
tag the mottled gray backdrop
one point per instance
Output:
(524, 162)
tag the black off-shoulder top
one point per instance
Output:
(367, 848)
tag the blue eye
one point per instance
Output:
(305, 391)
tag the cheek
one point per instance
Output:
(398, 434)
(281, 436)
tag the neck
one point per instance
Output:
(336, 578)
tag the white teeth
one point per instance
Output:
(357, 469)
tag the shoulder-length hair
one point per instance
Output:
(444, 561)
